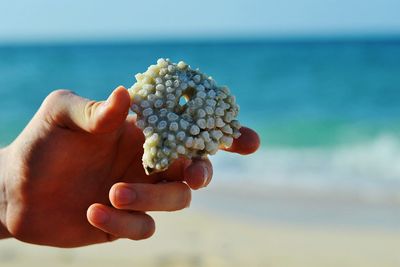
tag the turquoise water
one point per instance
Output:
(322, 106)
(294, 93)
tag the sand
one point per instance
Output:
(197, 238)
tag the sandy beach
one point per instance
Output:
(201, 236)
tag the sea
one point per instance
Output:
(327, 111)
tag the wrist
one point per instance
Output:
(3, 195)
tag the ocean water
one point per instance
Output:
(327, 112)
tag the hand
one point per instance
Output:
(74, 175)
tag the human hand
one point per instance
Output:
(63, 178)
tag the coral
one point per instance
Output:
(182, 112)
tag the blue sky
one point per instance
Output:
(103, 19)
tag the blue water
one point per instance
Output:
(294, 93)
(323, 106)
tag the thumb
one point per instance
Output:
(71, 111)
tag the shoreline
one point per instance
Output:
(292, 206)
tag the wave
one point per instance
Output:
(371, 169)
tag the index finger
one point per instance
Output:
(247, 143)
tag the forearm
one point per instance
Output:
(3, 196)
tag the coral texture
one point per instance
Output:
(182, 112)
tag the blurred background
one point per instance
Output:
(319, 81)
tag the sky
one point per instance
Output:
(159, 19)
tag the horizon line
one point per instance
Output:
(300, 38)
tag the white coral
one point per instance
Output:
(181, 112)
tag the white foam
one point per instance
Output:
(371, 169)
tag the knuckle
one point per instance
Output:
(16, 229)
(21, 227)
(148, 195)
(56, 95)
(89, 108)
(50, 106)
(89, 117)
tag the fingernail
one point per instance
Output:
(205, 176)
(188, 199)
(125, 195)
(99, 216)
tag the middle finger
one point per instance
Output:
(169, 196)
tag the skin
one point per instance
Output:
(74, 176)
